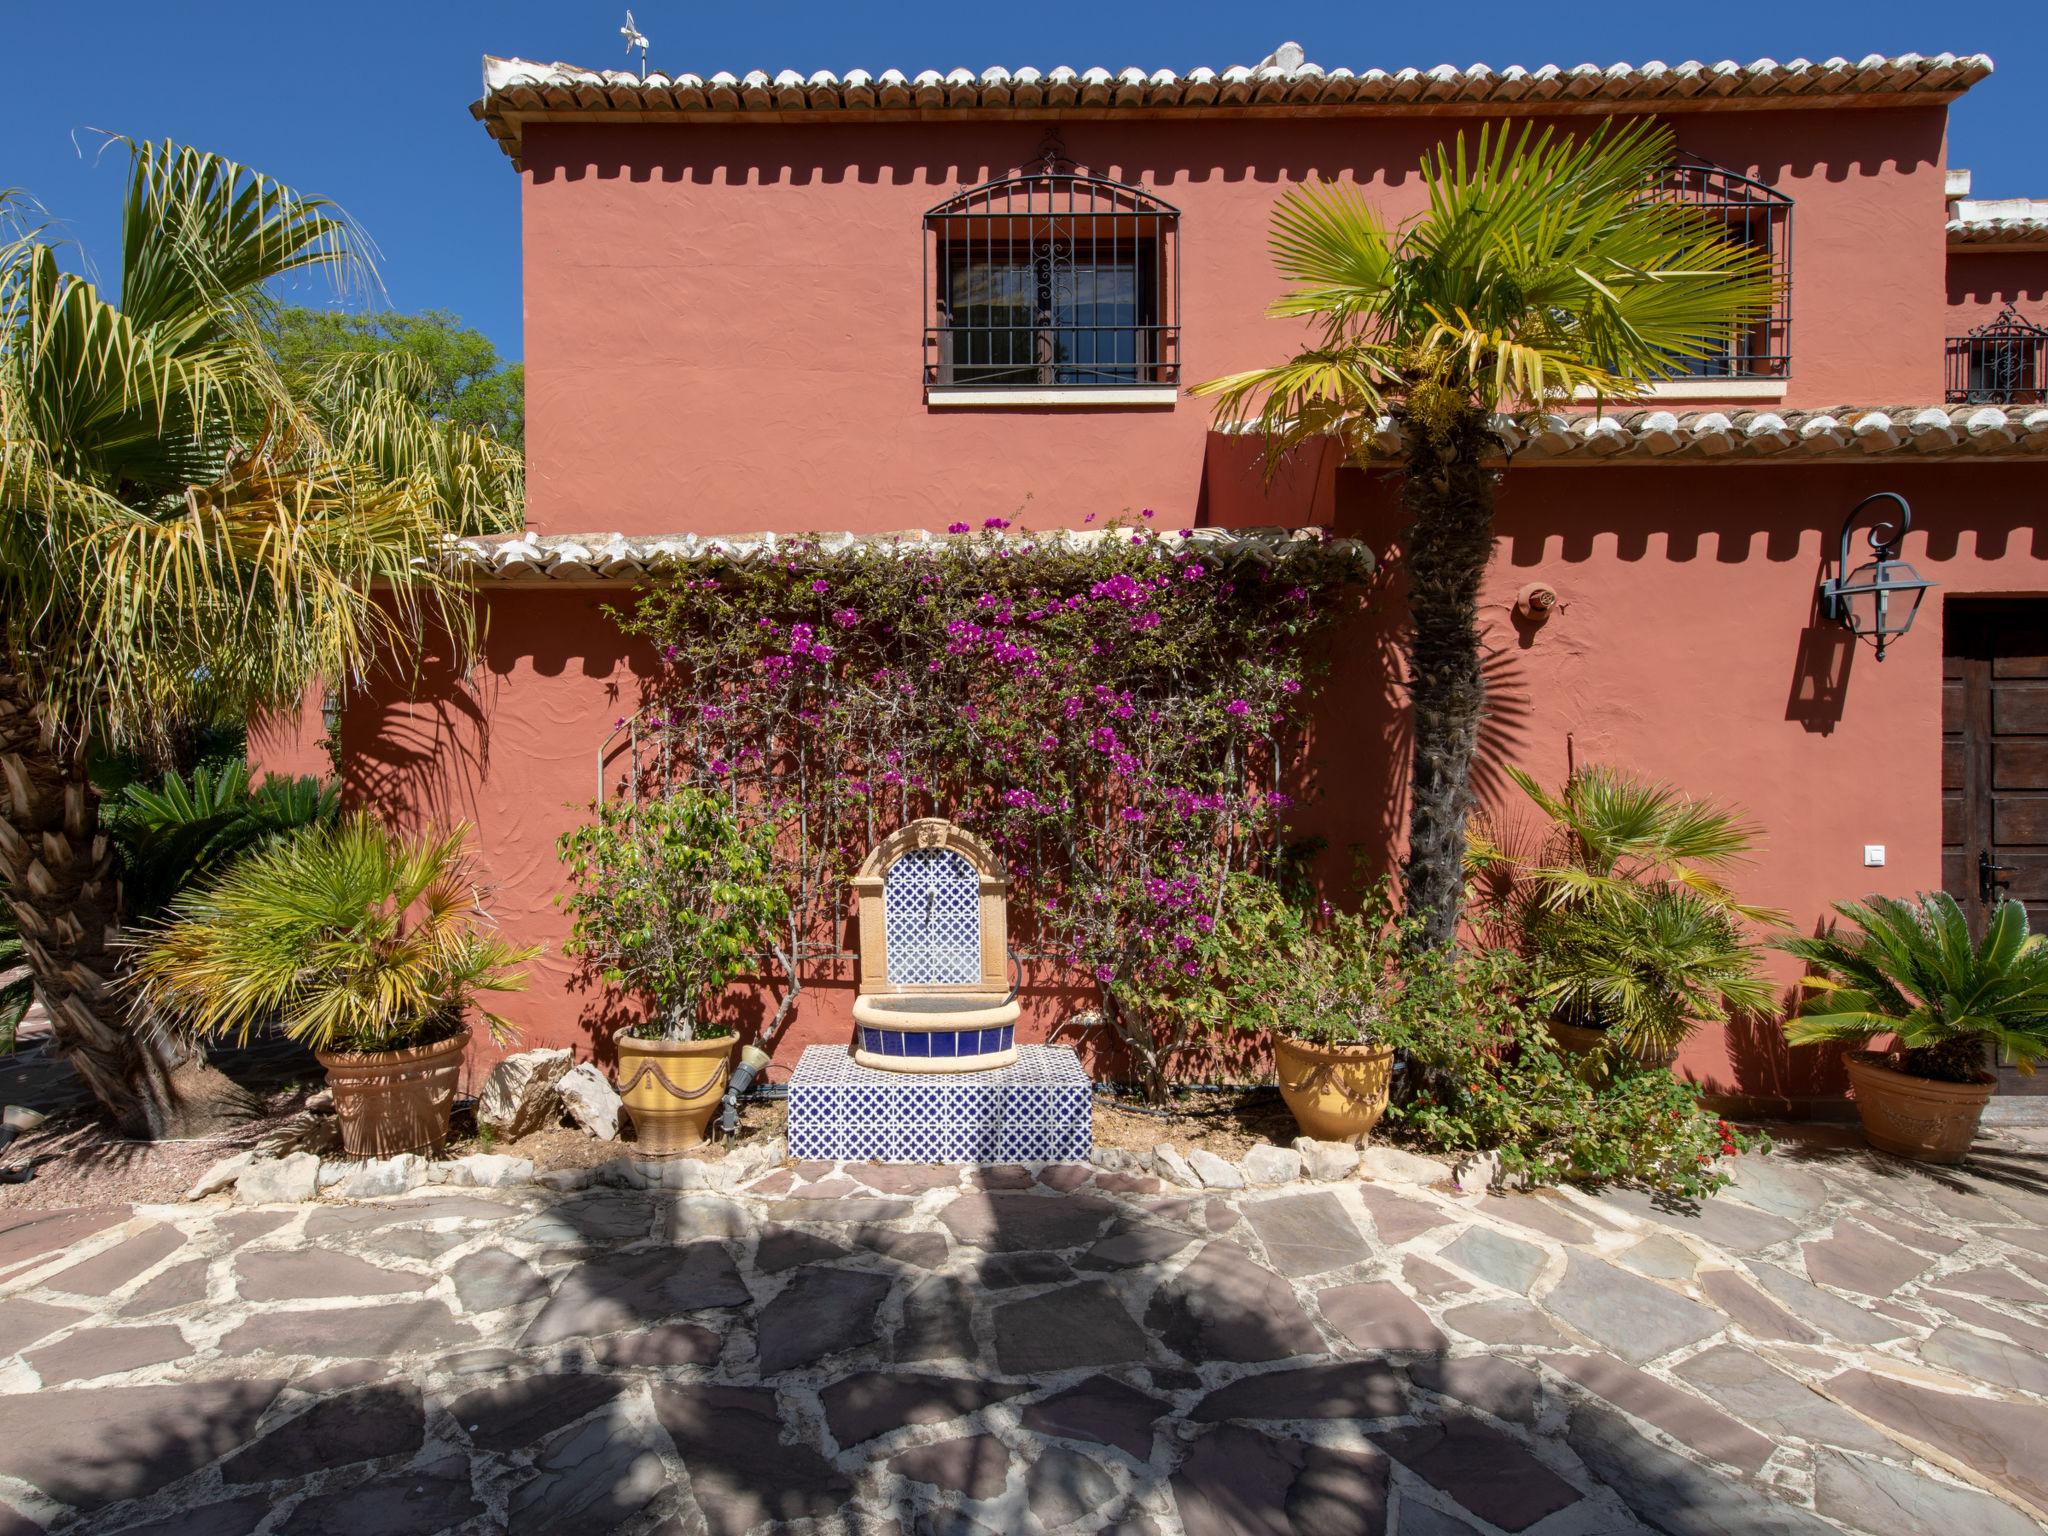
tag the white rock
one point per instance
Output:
(222, 1175)
(569, 1180)
(320, 1102)
(1393, 1166)
(488, 1170)
(589, 1099)
(1270, 1165)
(282, 1181)
(1216, 1172)
(519, 1096)
(755, 1155)
(381, 1176)
(332, 1172)
(1327, 1161)
(1172, 1167)
(1116, 1160)
(1477, 1173)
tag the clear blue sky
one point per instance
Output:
(368, 103)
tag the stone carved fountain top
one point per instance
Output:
(934, 913)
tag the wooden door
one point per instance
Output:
(1994, 782)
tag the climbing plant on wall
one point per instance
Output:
(1119, 714)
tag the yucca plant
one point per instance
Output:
(1623, 905)
(349, 939)
(185, 535)
(181, 832)
(1545, 264)
(1911, 970)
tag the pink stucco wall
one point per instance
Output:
(723, 324)
(1685, 647)
(1981, 284)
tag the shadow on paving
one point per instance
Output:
(908, 1351)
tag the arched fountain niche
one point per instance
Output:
(934, 990)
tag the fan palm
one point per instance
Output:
(1545, 265)
(1913, 972)
(350, 938)
(182, 537)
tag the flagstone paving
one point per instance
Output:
(1842, 1342)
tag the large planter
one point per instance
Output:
(1337, 1092)
(672, 1087)
(1590, 1049)
(394, 1101)
(1917, 1117)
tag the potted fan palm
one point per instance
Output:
(1911, 972)
(369, 947)
(1622, 908)
(674, 899)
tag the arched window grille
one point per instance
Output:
(2002, 362)
(1052, 279)
(1754, 214)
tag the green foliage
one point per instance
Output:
(1913, 971)
(465, 383)
(674, 899)
(1482, 1075)
(349, 938)
(1622, 904)
(180, 832)
(1545, 263)
(183, 536)
(16, 991)
(1117, 715)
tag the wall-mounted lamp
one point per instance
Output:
(330, 712)
(1878, 599)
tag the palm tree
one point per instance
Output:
(181, 538)
(1545, 265)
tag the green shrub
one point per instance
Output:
(1914, 972)
(178, 832)
(674, 898)
(16, 992)
(350, 939)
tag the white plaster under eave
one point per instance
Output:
(1009, 399)
(1701, 389)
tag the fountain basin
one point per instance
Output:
(935, 1031)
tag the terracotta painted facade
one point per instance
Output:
(723, 324)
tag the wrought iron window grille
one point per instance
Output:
(1052, 278)
(1757, 214)
(2001, 362)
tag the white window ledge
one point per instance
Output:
(1082, 399)
(1704, 389)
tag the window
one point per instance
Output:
(1052, 279)
(1760, 216)
(2002, 362)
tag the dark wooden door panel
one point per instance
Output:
(1994, 763)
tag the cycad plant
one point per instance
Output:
(1624, 908)
(180, 832)
(1912, 971)
(1546, 264)
(17, 987)
(350, 939)
(184, 536)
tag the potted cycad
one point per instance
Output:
(368, 947)
(1911, 973)
(1622, 909)
(674, 899)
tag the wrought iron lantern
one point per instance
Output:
(330, 712)
(1879, 598)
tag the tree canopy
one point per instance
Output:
(463, 381)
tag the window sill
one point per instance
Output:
(938, 396)
(1704, 389)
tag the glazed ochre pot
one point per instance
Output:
(1336, 1092)
(1917, 1117)
(672, 1087)
(394, 1101)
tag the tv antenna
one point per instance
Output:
(635, 38)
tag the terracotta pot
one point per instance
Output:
(1337, 1092)
(394, 1101)
(1916, 1117)
(672, 1088)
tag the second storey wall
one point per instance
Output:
(723, 324)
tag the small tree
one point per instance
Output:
(673, 900)
(1544, 265)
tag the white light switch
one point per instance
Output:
(1873, 855)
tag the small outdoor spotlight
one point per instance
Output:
(1878, 599)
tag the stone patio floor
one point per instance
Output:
(1842, 1342)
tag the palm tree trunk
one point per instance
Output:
(1448, 496)
(60, 880)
